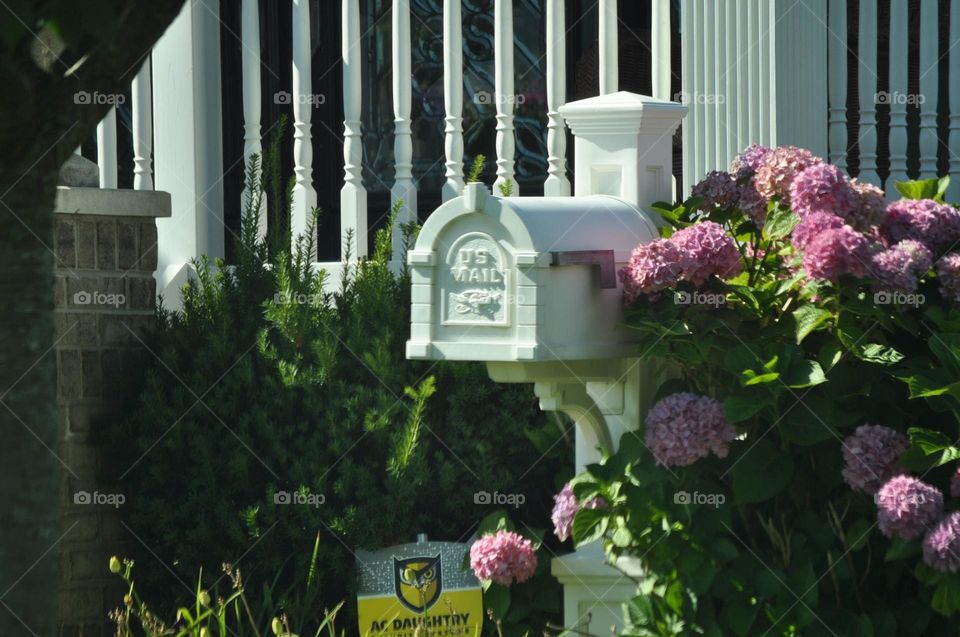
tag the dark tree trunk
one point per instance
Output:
(30, 486)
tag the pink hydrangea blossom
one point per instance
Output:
(907, 507)
(745, 164)
(948, 274)
(565, 507)
(935, 225)
(941, 547)
(779, 167)
(835, 252)
(652, 267)
(707, 250)
(869, 208)
(503, 557)
(870, 457)
(718, 190)
(753, 205)
(822, 188)
(955, 483)
(898, 269)
(812, 226)
(683, 428)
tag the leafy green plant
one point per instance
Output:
(211, 614)
(770, 539)
(476, 170)
(277, 406)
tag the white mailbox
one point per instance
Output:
(524, 278)
(529, 286)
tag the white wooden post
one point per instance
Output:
(557, 184)
(928, 88)
(753, 74)
(353, 196)
(188, 147)
(504, 98)
(304, 196)
(107, 149)
(899, 47)
(453, 98)
(609, 47)
(837, 69)
(953, 193)
(659, 48)
(688, 65)
(729, 133)
(766, 119)
(707, 93)
(403, 186)
(867, 84)
(741, 54)
(250, 64)
(142, 111)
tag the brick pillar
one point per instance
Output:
(104, 291)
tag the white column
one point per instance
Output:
(107, 149)
(142, 128)
(928, 88)
(557, 184)
(837, 70)
(707, 92)
(403, 186)
(453, 97)
(766, 111)
(503, 63)
(899, 47)
(250, 65)
(729, 131)
(741, 88)
(609, 47)
(304, 196)
(688, 62)
(953, 193)
(188, 149)
(753, 74)
(353, 196)
(867, 54)
(659, 48)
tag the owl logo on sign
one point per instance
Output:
(417, 582)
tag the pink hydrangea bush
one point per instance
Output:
(948, 275)
(565, 507)
(871, 456)
(503, 557)
(744, 166)
(652, 267)
(683, 428)
(907, 507)
(822, 188)
(718, 190)
(836, 252)
(941, 547)
(900, 268)
(935, 225)
(778, 168)
(707, 250)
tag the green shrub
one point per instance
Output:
(265, 383)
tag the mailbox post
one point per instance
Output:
(528, 285)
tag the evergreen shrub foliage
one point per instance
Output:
(265, 383)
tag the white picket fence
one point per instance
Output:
(765, 71)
